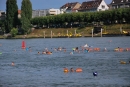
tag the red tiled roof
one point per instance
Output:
(69, 5)
(90, 4)
(19, 11)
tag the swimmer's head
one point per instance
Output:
(12, 64)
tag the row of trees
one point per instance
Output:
(107, 17)
(62, 20)
(12, 22)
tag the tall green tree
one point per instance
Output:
(11, 14)
(26, 15)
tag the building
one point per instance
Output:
(70, 7)
(94, 5)
(19, 13)
(2, 15)
(53, 11)
(120, 4)
(38, 13)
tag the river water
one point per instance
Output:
(40, 70)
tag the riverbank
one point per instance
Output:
(108, 30)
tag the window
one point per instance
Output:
(103, 6)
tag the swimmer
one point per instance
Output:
(94, 73)
(48, 53)
(71, 69)
(43, 52)
(64, 50)
(71, 52)
(38, 52)
(105, 49)
(12, 64)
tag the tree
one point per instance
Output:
(14, 32)
(25, 24)
(11, 14)
(26, 15)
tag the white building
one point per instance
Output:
(103, 6)
(38, 13)
(53, 11)
(2, 15)
(93, 5)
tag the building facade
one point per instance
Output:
(53, 11)
(120, 4)
(38, 13)
(2, 15)
(70, 7)
(95, 5)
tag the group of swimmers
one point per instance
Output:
(79, 49)
(82, 49)
(66, 70)
(45, 52)
(121, 49)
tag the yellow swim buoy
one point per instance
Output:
(122, 62)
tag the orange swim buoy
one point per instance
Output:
(96, 49)
(66, 70)
(48, 53)
(79, 70)
(121, 49)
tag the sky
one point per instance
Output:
(45, 4)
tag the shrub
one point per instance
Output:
(14, 32)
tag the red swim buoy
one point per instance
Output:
(23, 45)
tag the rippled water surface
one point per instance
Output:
(40, 70)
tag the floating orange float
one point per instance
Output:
(66, 70)
(48, 53)
(79, 70)
(96, 49)
(121, 49)
(122, 62)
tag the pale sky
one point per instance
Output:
(45, 4)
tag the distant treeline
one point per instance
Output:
(121, 15)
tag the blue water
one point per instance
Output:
(40, 70)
